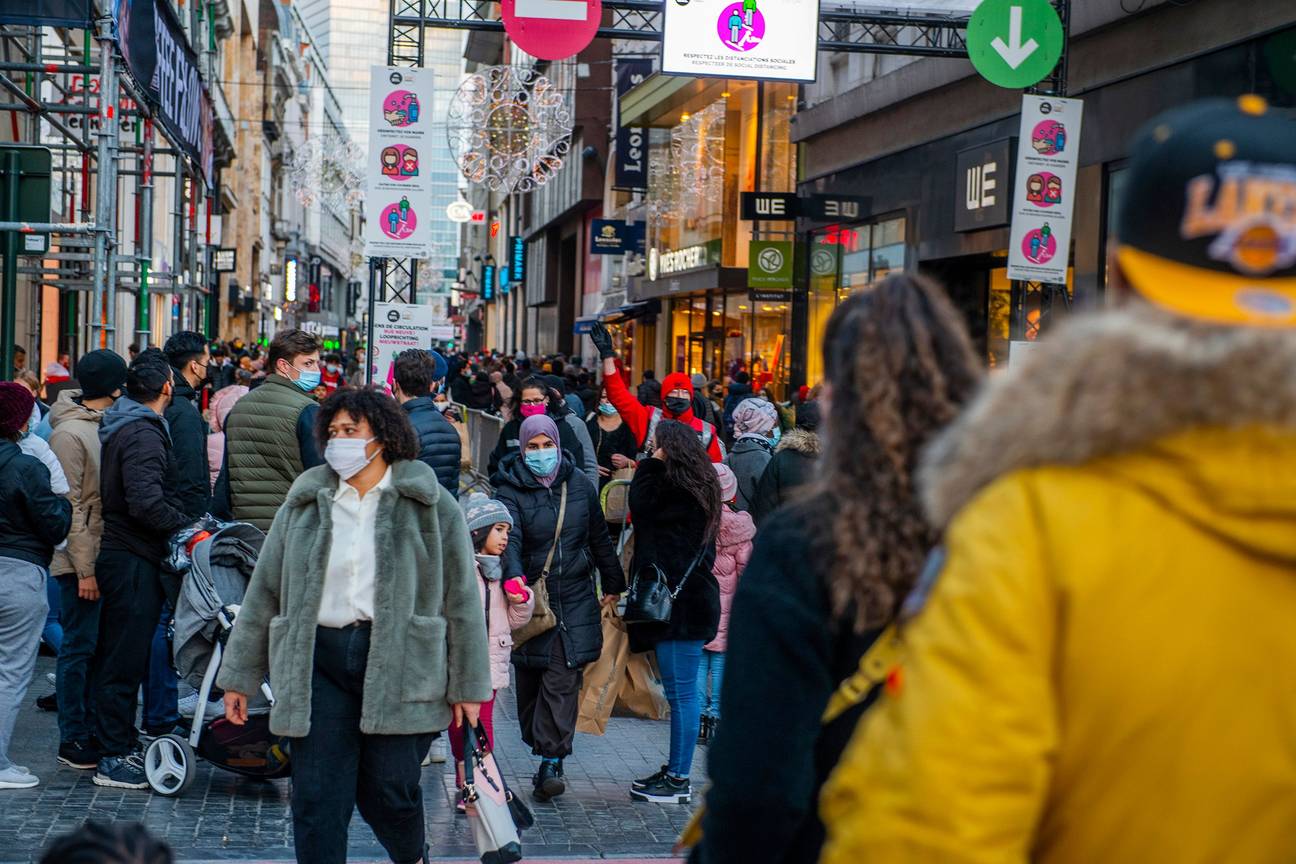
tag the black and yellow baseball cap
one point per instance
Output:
(1207, 222)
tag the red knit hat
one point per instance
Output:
(16, 403)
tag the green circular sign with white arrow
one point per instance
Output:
(1014, 43)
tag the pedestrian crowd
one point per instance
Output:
(1044, 616)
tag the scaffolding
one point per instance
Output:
(65, 89)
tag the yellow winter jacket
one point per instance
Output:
(1104, 672)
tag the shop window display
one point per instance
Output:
(846, 258)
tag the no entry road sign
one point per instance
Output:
(551, 29)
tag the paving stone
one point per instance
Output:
(224, 817)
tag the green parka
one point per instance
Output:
(428, 648)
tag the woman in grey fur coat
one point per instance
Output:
(364, 611)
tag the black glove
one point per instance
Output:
(602, 340)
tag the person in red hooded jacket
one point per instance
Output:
(677, 401)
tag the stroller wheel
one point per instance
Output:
(169, 765)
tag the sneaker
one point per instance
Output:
(120, 772)
(438, 753)
(188, 706)
(548, 783)
(650, 780)
(52, 679)
(667, 790)
(17, 777)
(48, 702)
(74, 754)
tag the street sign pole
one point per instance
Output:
(8, 310)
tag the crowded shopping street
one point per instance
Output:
(682, 431)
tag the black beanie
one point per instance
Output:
(100, 373)
(807, 416)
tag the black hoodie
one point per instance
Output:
(188, 478)
(138, 517)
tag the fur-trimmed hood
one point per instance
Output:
(1112, 384)
(803, 441)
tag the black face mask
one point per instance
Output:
(677, 405)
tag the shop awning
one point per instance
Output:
(629, 312)
(659, 99)
(584, 325)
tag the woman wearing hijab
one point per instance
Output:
(365, 613)
(754, 421)
(559, 535)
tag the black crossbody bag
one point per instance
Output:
(649, 599)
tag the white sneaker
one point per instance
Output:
(52, 679)
(438, 753)
(14, 777)
(188, 706)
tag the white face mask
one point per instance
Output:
(347, 456)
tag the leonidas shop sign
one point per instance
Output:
(160, 60)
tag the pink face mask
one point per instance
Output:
(532, 410)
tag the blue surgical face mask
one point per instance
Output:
(308, 379)
(607, 408)
(778, 433)
(541, 462)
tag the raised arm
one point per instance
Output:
(632, 412)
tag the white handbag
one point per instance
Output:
(487, 800)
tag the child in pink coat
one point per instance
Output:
(733, 551)
(507, 606)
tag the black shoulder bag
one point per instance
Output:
(649, 599)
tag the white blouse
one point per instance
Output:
(348, 594)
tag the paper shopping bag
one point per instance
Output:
(604, 677)
(642, 694)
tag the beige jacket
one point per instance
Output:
(75, 441)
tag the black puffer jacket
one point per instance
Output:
(439, 444)
(792, 467)
(33, 520)
(188, 480)
(138, 514)
(670, 528)
(583, 545)
(508, 442)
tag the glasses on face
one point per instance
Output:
(539, 401)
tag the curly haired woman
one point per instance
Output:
(830, 570)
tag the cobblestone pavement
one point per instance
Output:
(223, 817)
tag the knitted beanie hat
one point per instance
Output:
(728, 481)
(16, 403)
(483, 512)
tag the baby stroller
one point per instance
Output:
(216, 571)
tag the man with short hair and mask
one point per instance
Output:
(677, 402)
(188, 476)
(269, 434)
(138, 518)
(417, 376)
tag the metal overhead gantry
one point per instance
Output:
(842, 27)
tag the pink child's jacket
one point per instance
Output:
(505, 617)
(733, 551)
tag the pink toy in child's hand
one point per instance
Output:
(516, 586)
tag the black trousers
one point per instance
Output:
(337, 768)
(80, 620)
(130, 602)
(548, 702)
